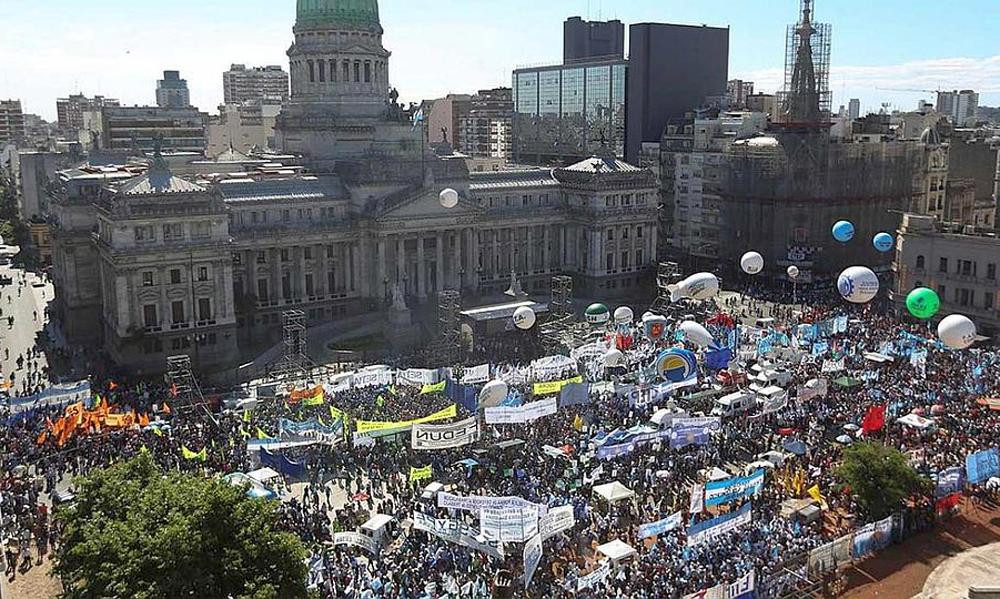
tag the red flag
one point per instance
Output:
(173, 389)
(112, 385)
(874, 419)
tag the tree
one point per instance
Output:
(134, 532)
(880, 478)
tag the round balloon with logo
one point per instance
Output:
(858, 284)
(597, 314)
(676, 364)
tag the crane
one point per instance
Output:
(915, 91)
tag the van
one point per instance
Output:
(376, 528)
(734, 404)
(772, 396)
(770, 376)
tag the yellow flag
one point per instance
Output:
(578, 423)
(436, 388)
(815, 494)
(418, 474)
(201, 456)
(262, 435)
(316, 399)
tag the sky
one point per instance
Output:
(119, 48)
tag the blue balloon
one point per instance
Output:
(883, 242)
(843, 231)
(676, 364)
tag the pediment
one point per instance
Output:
(427, 205)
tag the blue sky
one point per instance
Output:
(118, 48)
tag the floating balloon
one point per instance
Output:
(700, 286)
(676, 365)
(624, 315)
(923, 303)
(858, 284)
(843, 231)
(597, 314)
(654, 326)
(613, 358)
(524, 318)
(752, 263)
(493, 393)
(449, 197)
(883, 242)
(697, 334)
(793, 272)
(957, 331)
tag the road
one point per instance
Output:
(28, 310)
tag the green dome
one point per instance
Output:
(346, 14)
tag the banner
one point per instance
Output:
(550, 387)
(356, 539)
(949, 480)
(532, 555)
(697, 499)
(692, 431)
(660, 526)
(556, 521)
(872, 537)
(594, 578)
(982, 465)
(367, 426)
(514, 525)
(476, 375)
(371, 378)
(444, 436)
(521, 414)
(417, 377)
(741, 589)
(574, 394)
(832, 366)
(475, 503)
(775, 404)
(435, 388)
(719, 492)
(56, 395)
(419, 474)
(457, 532)
(718, 526)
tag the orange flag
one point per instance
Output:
(173, 390)
(166, 408)
(112, 385)
(143, 420)
(42, 438)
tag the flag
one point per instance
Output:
(815, 494)
(201, 456)
(337, 414)
(316, 399)
(40, 440)
(874, 419)
(418, 474)
(436, 388)
(578, 423)
(157, 431)
(165, 408)
(144, 420)
(418, 118)
(112, 385)
(173, 390)
(246, 415)
(262, 435)
(380, 401)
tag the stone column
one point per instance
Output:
(421, 268)
(547, 267)
(276, 294)
(456, 264)
(298, 272)
(440, 269)
(400, 260)
(359, 282)
(471, 258)
(319, 278)
(529, 258)
(511, 243)
(380, 284)
(494, 265)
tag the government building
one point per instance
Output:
(156, 259)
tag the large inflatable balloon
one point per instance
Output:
(624, 315)
(613, 358)
(654, 326)
(676, 365)
(597, 314)
(883, 242)
(752, 263)
(700, 286)
(858, 284)
(843, 231)
(524, 318)
(923, 303)
(957, 331)
(793, 272)
(697, 334)
(493, 393)
(449, 198)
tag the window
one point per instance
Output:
(943, 265)
(286, 286)
(175, 276)
(988, 300)
(144, 234)
(177, 312)
(624, 262)
(310, 291)
(262, 290)
(173, 232)
(611, 235)
(357, 72)
(368, 72)
(285, 216)
(920, 262)
(966, 267)
(149, 319)
(201, 230)
(964, 297)
(610, 262)
(942, 290)
(307, 253)
(991, 272)
(147, 278)
(204, 308)
(202, 273)
(261, 257)
(284, 255)
(237, 259)
(638, 231)
(625, 233)
(253, 217)
(638, 258)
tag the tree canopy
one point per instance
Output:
(879, 477)
(134, 532)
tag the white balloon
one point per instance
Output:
(793, 272)
(696, 333)
(624, 315)
(524, 318)
(493, 393)
(957, 331)
(449, 197)
(752, 263)
(700, 286)
(613, 358)
(858, 284)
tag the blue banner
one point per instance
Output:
(872, 537)
(465, 396)
(682, 436)
(718, 359)
(949, 481)
(982, 465)
(660, 526)
(724, 491)
(820, 348)
(573, 394)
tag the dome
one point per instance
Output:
(930, 137)
(342, 14)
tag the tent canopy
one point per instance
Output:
(617, 550)
(847, 382)
(915, 421)
(263, 474)
(795, 446)
(614, 492)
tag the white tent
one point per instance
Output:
(614, 492)
(915, 421)
(263, 474)
(617, 550)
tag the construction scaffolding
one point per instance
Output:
(560, 304)
(806, 98)
(667, 273)
(184, 387)
(560, 331)
(446, 349)
(294, 366)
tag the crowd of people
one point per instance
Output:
(550, 461)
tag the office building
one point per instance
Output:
(961, 107)
(137, 127)
(172, 91)
(589, 40)
(445, 117)
(11, 121)
(243, 128)
(71, 112)
(737, 93)
(765, 103)
(672, 70)
(854, 109)
(486, 131)
(261, 84)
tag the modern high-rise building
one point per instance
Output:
(70, 111)
(267, 84)
(854, 109)
(11, 121)
(587, 40)
(738, 92)
(445, 116)
(960, 107)
(137, 128)
(172, 91)
(485, 132)
(672, 70)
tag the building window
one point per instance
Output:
(638, 231)
(307, 253)
(175, 276)
(312, 71)
(357, 71)
(920, 262)
(321, 67)
(201, 230)
(991, 272)
(310, 291)
(943, 265)
(149, 318)
(286, 286)
(609, 262)
(345, 69)
(204, 308)
(284, 255)
(261, 257)
(942, 291)
(147, 278)
(368, 72)
(966, 267)
(262, 290)
(624, 263)
(638, 258)
(611, 235)
(172, 232)
(624, 232)
(964, 297)
(144, 234)
(988, 300)
(237, 259)
(285, 216)
(253, 217)
(177, 312)
(202, 273)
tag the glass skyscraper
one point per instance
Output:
(564, 113)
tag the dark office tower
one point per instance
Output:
(585, 40)
(672, 70)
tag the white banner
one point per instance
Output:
(374, 378)
(741, 589)
(56, 395)
(476, 375)
(418, 376)
(556, 521)
(513, 525)
(522, 414)
(356, 539)
(475, 503)
(697, 499)
(716, 527)
(594, 578)
(832, 366)
(532, 555)
(457, 532)
(775, 404)
(444, 436)
(363, 440)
